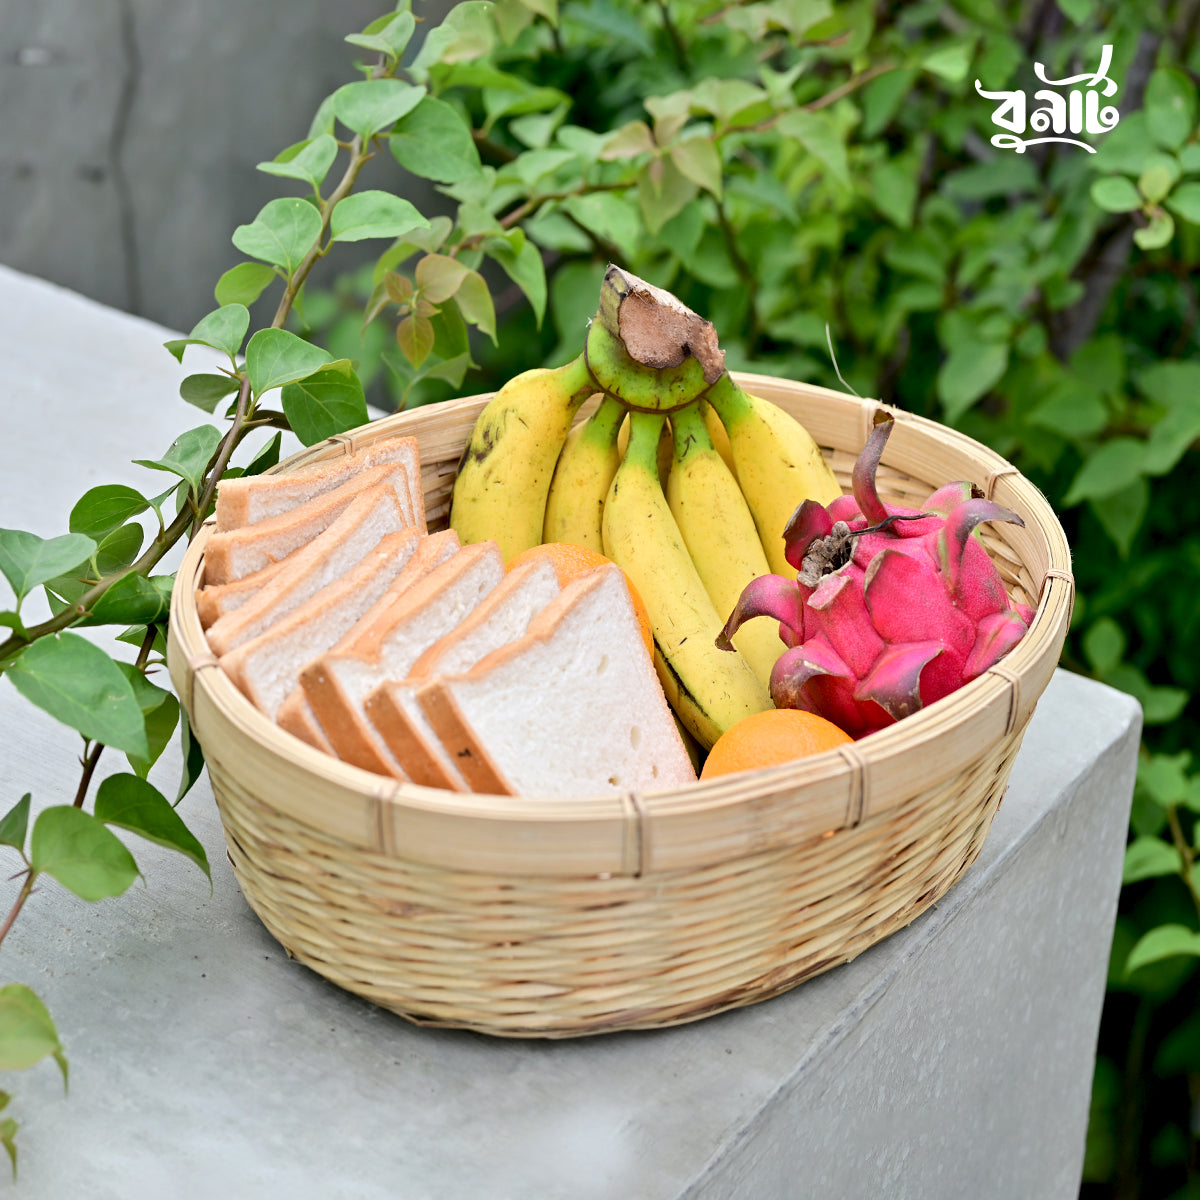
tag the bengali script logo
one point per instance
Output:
(1076, 111)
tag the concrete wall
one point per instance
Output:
(129, 130)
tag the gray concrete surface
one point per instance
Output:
(132, 127)
(953, 1059)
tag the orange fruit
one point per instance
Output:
(767, 739)
(571, 561)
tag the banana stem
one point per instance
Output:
(645, 428)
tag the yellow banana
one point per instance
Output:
(506, 468)
(582, 477)
(719, 533)
(778, 464)
(709, 689)
(720, 438)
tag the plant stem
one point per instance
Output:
(1185, 853)
(26, 889)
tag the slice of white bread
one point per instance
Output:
(267, 667)
(213, 602)
(295, 715)
(235, 553)
(371, 515)
(572, 708)
(249, 499)
(501, 617)
(338, 683)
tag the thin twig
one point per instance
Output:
(26, 889)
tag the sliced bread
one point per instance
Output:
(235, 553)
(213, 602)
(572, 708)
(250, 499)
(295, 714)
(501, 617)
(295, 717)
(267, 666)
(385, 647)
(371, 515)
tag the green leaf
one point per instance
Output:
(160, 710)
(1126, 148)
(1159, 176)
(27, 560)
(434, 142)
(894, 191)
(275, 357)
(526, 269)
(474, 301)
(881, 100)
(438, 276)
(192, 755)
(817, 133)
(1115, 194)
(415, 337)
(629, 141)
(102, 509)
(118, 549)
(1171, 383)
(207, 391)
(73, 847)
(266, 458)
(699, 160)
(389, 35)
(1149, 858)
(27, 1032)
(308, 161)
(1104, 645)
(373, 214)
(1077, 11)
(1121, 513)
(1184, 201)
(244, 283)
(1164, 778)
(663, 191)
(78, 684)
(1113, 466)
(1073, 410)
(1172, 437)
(284, 231)
(1157, 234)
(133, 804)
(466, 34)
(1164, 941)
(222, 329)
(951, 62)
(371, 105)
(133, 600)
(1170, 105)
(15, 823)
(326, 402)
(189, 454)
(970, 370)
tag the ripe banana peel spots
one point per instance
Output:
(505, 473)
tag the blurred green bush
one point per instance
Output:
(821, 182)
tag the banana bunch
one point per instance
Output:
(682, 478)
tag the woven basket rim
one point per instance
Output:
(851, 780)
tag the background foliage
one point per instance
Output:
(808, 177)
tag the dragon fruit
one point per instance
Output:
(892, 608)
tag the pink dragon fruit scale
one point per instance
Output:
(891, 609)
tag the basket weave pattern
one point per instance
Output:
(541, 917)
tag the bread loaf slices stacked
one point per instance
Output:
(342, 619)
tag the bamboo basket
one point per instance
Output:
(527, 917)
